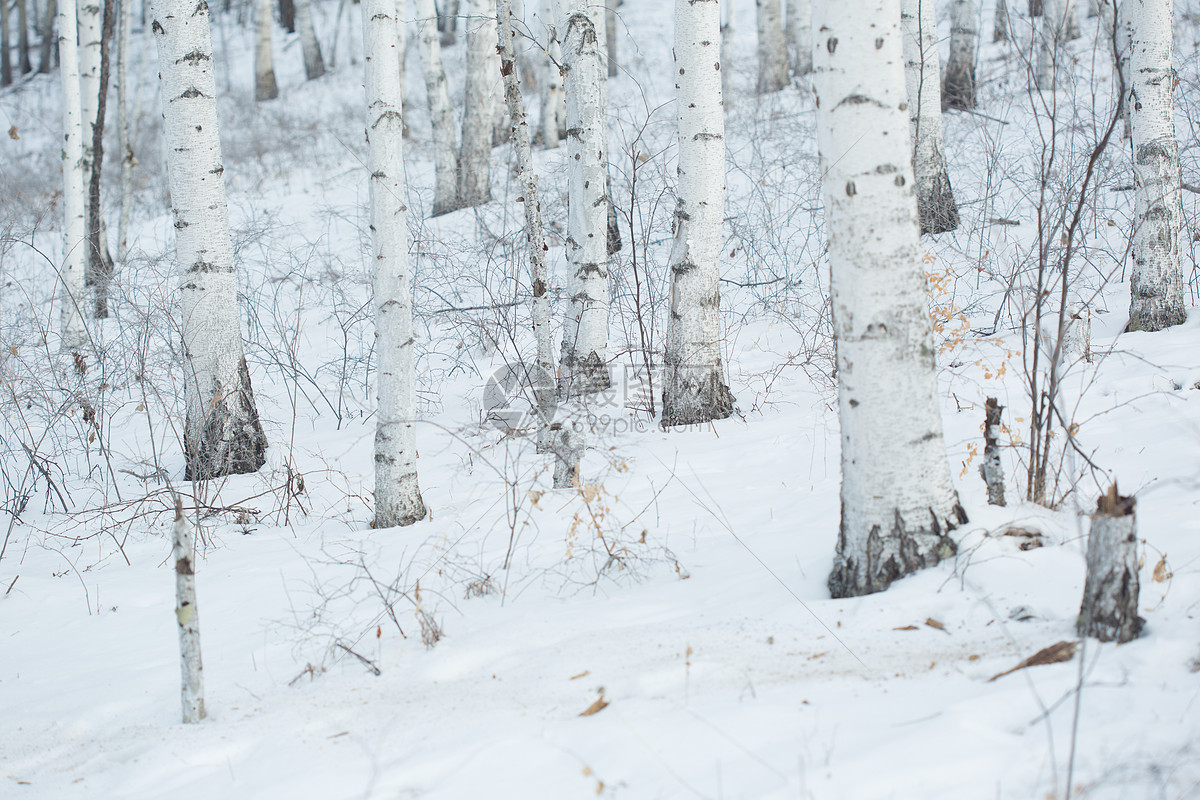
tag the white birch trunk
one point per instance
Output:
(991, 469)
(187, 617)
(694, 388)
(799, 36)
(47, 49)
(958, 86)
(397, 493)
(1156, 283)
(265, 87)
(222, 434)
(1049, 40)
(74, 267)
(727, 65)
(125, 140)
(448, 22)
(553, 99)
(479, 111)
(445, 148)
(1000, 28)
(90, 44)
(584, 362)
(610, 36)
(542, 380)
(314, 65)
(1110, 593)
(935, 198)
(568, 445)
(1113, 37)
(898, 501)
(772, 49)
(402, 55)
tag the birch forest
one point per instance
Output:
(599, 398)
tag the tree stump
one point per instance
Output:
(1110, 593)
(991, 469)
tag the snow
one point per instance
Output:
(728, 671)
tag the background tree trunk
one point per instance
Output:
(6, 69)
(125, 140)
(48, 38)
(448, 22)
(694, 388)
(397, 492)
(287, 15)
(799, 36)
(222, 434)
(584, 362)
(1000, 31)
(74, 268)
(265, 87)
(958, 89)
(935, 198)
(772, 50)
(91, 58)
(991, 468)
(445, 148)
(1156, 283)
(191, 667)
(479, 109)
(610, 35)
(727, 66)
(553, 99)
(1110, 593)
(23, 38)
(101, 262)
(898, 500)
(314, 65)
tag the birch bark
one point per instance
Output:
(187, 617)
(314, 65)
(1156, 285)
(798, 29)
(74, 268)
(584, 361)
(448, 22)
(445, 148)
(958, 87)
(553, 99)
(610, 36)
(898, 501)
(47, 51)
(935, 198)
(1111, 588)
(265, 87)
(694, 388)
(1049, 38)
(222, 433)
(772, 49)
(479, 111)
(91, 57)
(125, 140)
(397, 493)
(23, 62)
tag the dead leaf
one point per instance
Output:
(595, 708)
(906, 628)
(937, 626)
(1054, 654)
(12, 133)
(583, 674)
(1160, 570)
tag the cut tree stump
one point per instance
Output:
(991, 469)
(1110, 594)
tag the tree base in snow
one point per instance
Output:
(231, 439)
(693, 397)
(582, 376)
(893, 555)
(407, 507)
(936, 206)
(958, 90)
(1155, 317)
(1110, 594)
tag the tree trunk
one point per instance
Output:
(991, 468)
(23, 38)
(1110, 593)
(287, 15)
(1156, 284)
(539, 281)
(479, 110)
(694, 388)
(448, 22)
(935, 198)
(553, 99)
(958, 89)
(898, 500)
(101, 262)
(1050, 40)
(445, 149)
(584, 362)
(799, 36)
(314, 65)
(397, 493)
(1071, 22)
(610, 35)
(125, 140)
(568, 446)
(222, 433)
(727, 65)
(1000, 31)
(187, 616)
(48, 39)
(772, 50)
(74, 268)
(6, 70)
(265, 87)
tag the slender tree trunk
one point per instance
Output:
(445, 149)
(799, 36)
(479, 111)
(991, 469)
(92, 54)
(187, 616)
(958, 88)
(74, 268)
(1000, 31)
(727, 66)
(397, 493)
(222, 433)
(1049, 40)
(1110, 593)
(6, 70)
(610, 35)
(694, 388)
(772, 50)
(935, 198)
(553, 100)
(1156, 284)
(584, 362)
(23, 38)
(48, 39)
(448, 21)
(265, 87)
(125, 140)
(314, 65)
(1071, 22)
(101, 261)
(287, 15)
(402, 55)
(898, 500)
(542, 380)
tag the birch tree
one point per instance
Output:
(897, 498)
(222, 432)
(798, 30)
(314, 64)
(584, 361)
(6, 67)
(610, 36)
(479, 109)
(397, 493)
(91, 61)
(772, 50)
(1048, 39)
(1156, 285)
(448, 22)
(445, 148)
(694, 388)
(101, 262)
(187, 617)
(23, 62)
(958, 87)
(47, 50)
(935, 198)
(74, 268)
(265, 87)
(553, 99)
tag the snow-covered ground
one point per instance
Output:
(683, 585)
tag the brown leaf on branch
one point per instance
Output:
(1054, 654)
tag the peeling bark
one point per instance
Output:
(1110, 594)
(187, 617)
